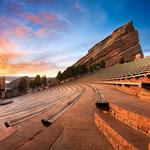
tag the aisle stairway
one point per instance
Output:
(126, 126)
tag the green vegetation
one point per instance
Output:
(38, 82)
(32, 84)
(102, 64)
(22, 87)
(94, 67)
(72, 71)
(44, 81)
(122, 61)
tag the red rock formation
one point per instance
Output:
(123, 42)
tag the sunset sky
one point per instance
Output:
(45, 36)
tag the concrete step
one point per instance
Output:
(126, 101)
(6, 132)
(120, 135)
(128, 109)
(139, 122)
(44, 140)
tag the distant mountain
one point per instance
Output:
(15, 82)
(11, 78)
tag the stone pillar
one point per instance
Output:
(2, 87)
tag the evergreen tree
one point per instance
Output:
(44, 81)
(37, 81)
(22, 85)
(32, 84)
(59, 76)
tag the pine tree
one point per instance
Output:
(22, 85)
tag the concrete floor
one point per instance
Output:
(74, 130)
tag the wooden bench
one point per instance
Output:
(101, 101)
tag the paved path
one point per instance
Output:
(80, 132)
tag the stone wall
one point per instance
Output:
(113, 137)
(123, 42)
(135, 90)
(137, 121)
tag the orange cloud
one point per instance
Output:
(33, 67)
(40, 18)
(47, 16)
(33, 18)
(40, 32)
(22, 31)
(8, 55)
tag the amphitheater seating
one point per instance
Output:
(36, 103)
(132, 78)
(128, 119)
(137, 68)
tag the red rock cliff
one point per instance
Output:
(123, 42)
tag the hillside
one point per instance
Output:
(118, 71)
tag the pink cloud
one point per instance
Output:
(48, 17)
(40, 18)
(33, 18)
(40, 32)
(10, 27)
(8, 66)
(22, 30)
(8, 50)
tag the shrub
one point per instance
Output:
(122, 61)
(37, 81)
(102, 64)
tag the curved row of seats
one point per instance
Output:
(127, 70)
(33, 104)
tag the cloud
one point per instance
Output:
(10, 27)
(10, 66)
(39, 18)
(33, 18)
(27, 68)
(52, 25)
(47, 16)
(78, 7)
(40, 32)
(22, 31)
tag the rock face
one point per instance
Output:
(123, 42)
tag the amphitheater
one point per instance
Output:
(103, 110)
(74, 121)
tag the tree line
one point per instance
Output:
(73, 71)
(36, 83)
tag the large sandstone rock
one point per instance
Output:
(123, 42)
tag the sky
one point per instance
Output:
(45, 36)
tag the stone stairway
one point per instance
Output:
(119, 134)
(127, 124)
